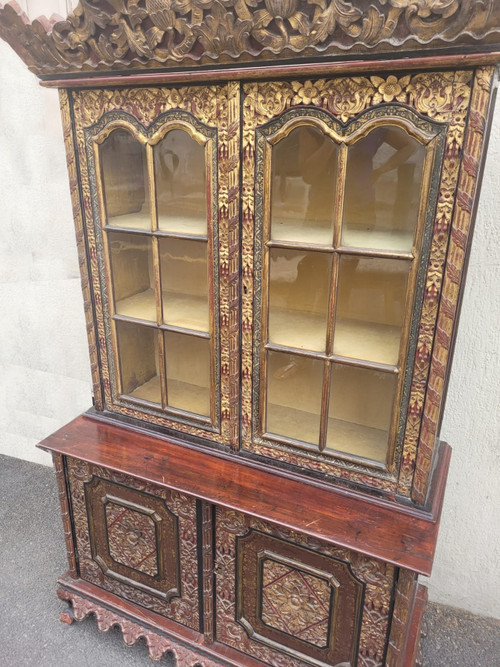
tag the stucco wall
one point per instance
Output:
(44, 368)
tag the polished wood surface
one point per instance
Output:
(397, 533)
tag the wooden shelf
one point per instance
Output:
(367, 341)
(179, 310)
(357, 440)
(393, 241)
(300, 232)
(186, 311)
(183, 224)
(139, 220)
(149, 391)
(189, 397)
(141, 306)
(292, 423)
(295, 328)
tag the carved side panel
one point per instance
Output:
(71, 160)
(218, 109)
(473, 148)
(136, 540)
(65, 514)
(404, 601)
(138, 35)
(290, 600)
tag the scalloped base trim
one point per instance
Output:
(80, 608)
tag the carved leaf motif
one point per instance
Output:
(117, 33)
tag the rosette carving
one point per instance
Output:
(137, 34)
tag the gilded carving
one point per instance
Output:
(295, 602)
(131, 538)
(441, 96)
(377, 577)
(137, 34)
(215, 107)
(459, 226)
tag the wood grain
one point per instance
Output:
(394, 532)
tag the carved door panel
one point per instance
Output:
(347, 186)
(158, 172)
(291, 600)
(136, 540)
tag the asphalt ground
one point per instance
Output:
(32, 557)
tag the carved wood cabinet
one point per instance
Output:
(273, 205)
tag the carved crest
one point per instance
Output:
(108, 35)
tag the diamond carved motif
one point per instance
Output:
(295, 602)
(132, 538)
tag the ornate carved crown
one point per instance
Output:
(107, 35)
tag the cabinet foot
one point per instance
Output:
(158, 644)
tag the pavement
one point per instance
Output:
(33, 556)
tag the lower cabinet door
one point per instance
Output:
(136, 540)
(290, 600)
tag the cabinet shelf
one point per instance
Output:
(149, 391)
(179, 310)
(141, 306)
(294, 232)
(390, 240)
(299, 329)
(357, 440)
(188, 397)
(293, 423)
(183, 224)
(368, 341)
(140, 220)
(185, 311)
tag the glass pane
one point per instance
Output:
(188, 372)
(382, 191)
(294, 388)
(298, 298)
(125, 181)
(360, 411)
(303, 182)
(370, 308)
(139, 364)
(180, 184)
(132, 275)
(184, 275)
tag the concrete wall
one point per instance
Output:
(45, 379)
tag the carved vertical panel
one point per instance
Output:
(455, 261)
(71, 159)
(65, 514)
(207, 554)
(403, 607)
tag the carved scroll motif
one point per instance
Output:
(137, 34)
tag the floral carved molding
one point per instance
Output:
(108, 35)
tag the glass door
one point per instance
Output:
(343, 213)
(156, 192)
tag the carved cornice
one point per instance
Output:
(132, 35)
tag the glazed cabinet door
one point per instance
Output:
(156, 178)
(347, 186)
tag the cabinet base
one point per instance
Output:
(161, 636)
(187, 647)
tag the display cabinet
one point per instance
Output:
(273, 204)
